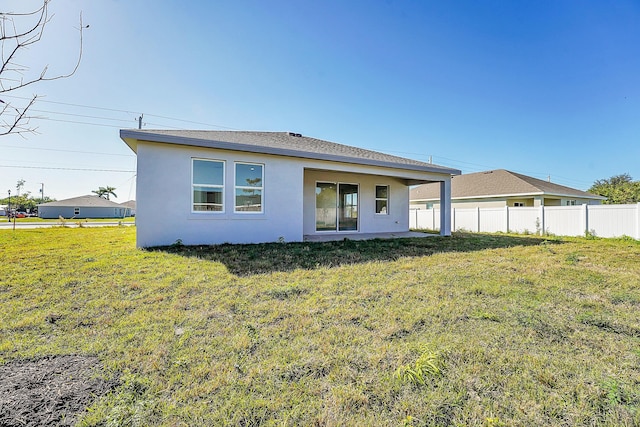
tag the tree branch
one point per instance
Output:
(12, 73)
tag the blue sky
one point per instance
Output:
(544, 88)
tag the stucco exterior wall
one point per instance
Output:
(397, 218)
(164, 197)
(54, 212)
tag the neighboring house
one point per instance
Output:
(83, 207)
(211, 187)
(131, 205)
(499, 188)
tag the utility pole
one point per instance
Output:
(42, 192)
(140, 121)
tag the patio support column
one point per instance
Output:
(445, 207)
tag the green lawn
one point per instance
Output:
(127, 220)
(478, 330)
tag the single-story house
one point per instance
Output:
(131, 205)
(499, 188)
(211, 187)
(83, 207)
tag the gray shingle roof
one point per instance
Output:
(131, 204)
(278, 143)
(84, 202)
(497, 183)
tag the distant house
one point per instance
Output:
(83, 207)
(131, 205)
(211, 187)
(499, 188)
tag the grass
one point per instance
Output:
(127, 220)
(478, 330)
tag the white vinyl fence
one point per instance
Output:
(598, 220)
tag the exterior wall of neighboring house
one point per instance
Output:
(475, 203)
(570, 201)
(165, 213)
(533, 201)
(54, 212)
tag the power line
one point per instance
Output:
(121, 111)
(71, 105)
(469, 166)
(68, 151)
(78, 115)
(79, 123)
(477, 167)
(67, 169)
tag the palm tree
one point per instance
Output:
(105, 192)
(110, 191)
(20, 185)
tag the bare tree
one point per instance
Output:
(18, 32)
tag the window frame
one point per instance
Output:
(237, 187)
(386, 199)
(221, 187)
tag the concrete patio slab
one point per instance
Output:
(363, 236)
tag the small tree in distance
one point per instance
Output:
(619, 189)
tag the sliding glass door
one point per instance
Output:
(347, 207)
(326, 208)
(336, 206)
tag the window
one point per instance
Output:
(382, 199)
(249, 187)
(518, 204)
(336, 206)
(76, 211)
(571, 202)
(208, 185)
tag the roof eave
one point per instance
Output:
(131, 138)
(578, 196)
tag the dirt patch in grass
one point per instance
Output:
(52, 390)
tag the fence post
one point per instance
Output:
(478, 218)
(543, 229)
(638, 221)
(453, 219)
(506, 219)
(433, 218)
(585, 219)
